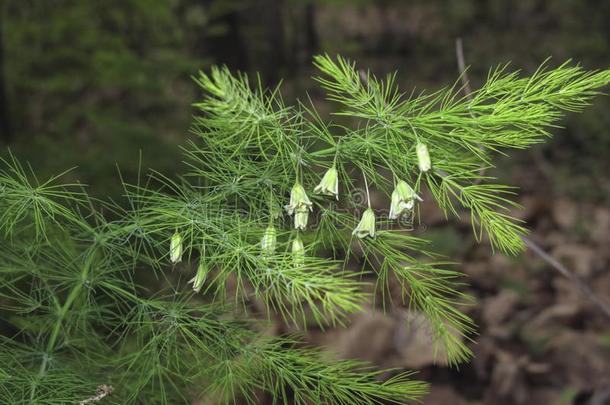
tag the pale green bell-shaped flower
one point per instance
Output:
(403, 199)
(399, 206)
(329, 185)
(175, 248)
(301, 216)
(298, 199)
(200, 276)
(298, 252)
(366, 226)
(269, 240)
(423, 157)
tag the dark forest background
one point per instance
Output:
(90, 83)
(94, 84)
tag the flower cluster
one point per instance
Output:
(402, 203)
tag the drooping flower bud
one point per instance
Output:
(403, 199)
(298, 251)
(269, 240)
(423, 157)
(300, 218)
(366, 226)
(329, 185)
(200, 276)
(298, 199)
(175, 248)
(399, 206)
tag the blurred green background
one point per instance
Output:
(91, 83)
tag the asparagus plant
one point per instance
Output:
(129, 301)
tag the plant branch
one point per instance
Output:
(533, 246)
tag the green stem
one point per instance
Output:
(58, 323)
(366, 185)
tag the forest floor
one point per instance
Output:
(540, 339)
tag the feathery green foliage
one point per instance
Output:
(97, 292)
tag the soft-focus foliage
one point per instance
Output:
(93, 82)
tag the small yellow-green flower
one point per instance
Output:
(403, 199)
(329, 185)
(175, 248)
(200, 276)
(301, 216)
(269, 240)
(298, 251)
(423, 157)
(366, 226)
(298, 199)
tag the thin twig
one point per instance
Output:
(585, 289)
(459, 53)
(102, 392)
(533, 246)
